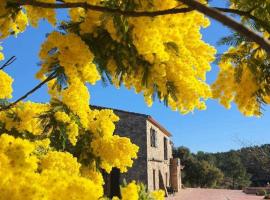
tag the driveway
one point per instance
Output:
(212, 194)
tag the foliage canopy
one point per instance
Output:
(152, 46)
(240, 168)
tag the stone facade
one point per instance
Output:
(158, 167)
(133, 126)
(155, 166)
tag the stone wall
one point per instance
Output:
(156, 159)
(175, 168)
(137, 127)
(133, 126)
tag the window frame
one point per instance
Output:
(153, 138)
(154, 179)
(165, 146)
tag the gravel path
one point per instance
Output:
(212, 194)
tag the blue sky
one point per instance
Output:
(213, 130)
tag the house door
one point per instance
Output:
(115, 183)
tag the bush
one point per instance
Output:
(261, 193)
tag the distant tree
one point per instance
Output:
(212, 176)
(201, 174)
(197, 173)
(256, 160)
(183, 153)
(235, 172)
(241, 168)
(206, 156)
(190, 173)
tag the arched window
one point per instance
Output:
(153, 138)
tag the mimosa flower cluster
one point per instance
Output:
(227, 89)
(72, 127)
(24, 118)
(5, 81)
(74, 56)
(179, 58)
(12, 21)
(114, 151)
(237, 81)
(173, 47)
(39, 163)
(76, 59)
(133, 191)
(5, 85)
(34, 14)
(28, 175)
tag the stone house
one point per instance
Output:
(155, 166)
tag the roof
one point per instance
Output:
(148, 117)
(134, 113)
(164, 130)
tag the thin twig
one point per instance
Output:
(9, 62)
(50, 77)
(244, 14)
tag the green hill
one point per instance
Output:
(235, 169)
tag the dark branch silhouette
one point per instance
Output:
(100, 8)
(192, 5)
(245, 14)
(229, 22)
(50, 77)
(9, 62)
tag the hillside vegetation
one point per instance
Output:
(235, 169)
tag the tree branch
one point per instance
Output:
(227, 21)
(100, 8)
(234, 11)
(245, 14)
(50, 77)
(193, 5)
(9, 62)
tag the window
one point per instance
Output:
(153, 138)
(165, 149)
(166, 179)
(154, 179)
